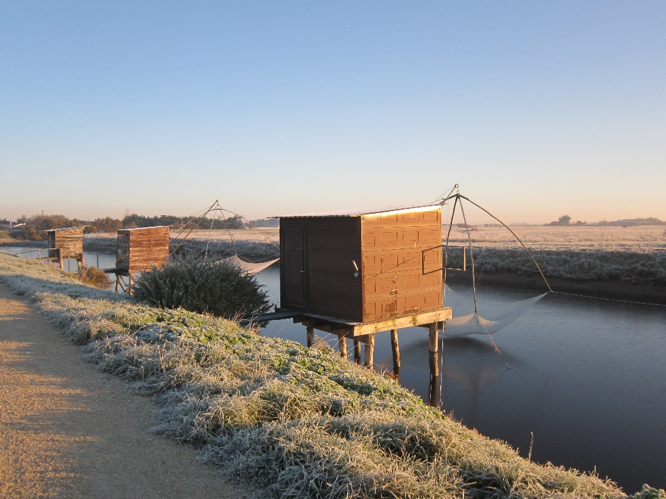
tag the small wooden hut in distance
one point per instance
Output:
(362, 266)
(140, 249)
(68, 240)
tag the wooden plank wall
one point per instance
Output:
(69, 241)
(398, 277)
(141, 249)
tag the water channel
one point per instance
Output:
(584, 378)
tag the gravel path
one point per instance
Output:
(67, 430)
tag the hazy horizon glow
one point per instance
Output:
(537, 109)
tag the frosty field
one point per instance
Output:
(576, 253)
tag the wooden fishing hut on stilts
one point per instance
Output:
(358, 273)
(66, 243)
(139, 250)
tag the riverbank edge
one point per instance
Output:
(639, 292)
(74, 312)
(635, 290)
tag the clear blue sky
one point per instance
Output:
(536, 108)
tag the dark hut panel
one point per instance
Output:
(292, 268)
(141, 249)
(332, 245)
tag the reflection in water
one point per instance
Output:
(585, 376)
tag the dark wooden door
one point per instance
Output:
(293, 288)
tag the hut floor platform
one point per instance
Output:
(361, 330)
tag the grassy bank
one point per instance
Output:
(299, 422)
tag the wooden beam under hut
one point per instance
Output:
(120, 284)
(364, 333)
(433, 360)
(360, 330)
(395, 348)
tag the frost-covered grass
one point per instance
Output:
(636, 254)
(637, 239)
(580, 253)
(584, 265)
(300, 422)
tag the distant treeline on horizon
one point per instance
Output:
(32, 228)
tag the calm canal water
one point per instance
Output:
(587, 377)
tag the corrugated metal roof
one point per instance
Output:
(66, 228)
(359, 212)
(151, 227)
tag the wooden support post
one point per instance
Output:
(370, 351)
(342, 346)
(117, 281)
(433, 359)
(310, 335)
(395, 347)
(357, 351)
(60, 260)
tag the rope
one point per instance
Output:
(216, 207)
(471, 256)
(254, 228)
(512, 232)
(617, 300)
(446, 195)
(231, 237)
(448, 238)
(191, 229)
(210, 234)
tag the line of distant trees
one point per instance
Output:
(32, 228)
(566, 221)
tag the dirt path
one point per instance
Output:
(67, 430)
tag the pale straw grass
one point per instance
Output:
(299, 422)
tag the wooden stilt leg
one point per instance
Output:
(395, 347)
(342, 346)
(433, 358)
(370, 351)
(357, 351)
(310, 336)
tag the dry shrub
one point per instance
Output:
(92, 276)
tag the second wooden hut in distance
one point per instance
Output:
(362, 266)
(66, 243)
(140, 249)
